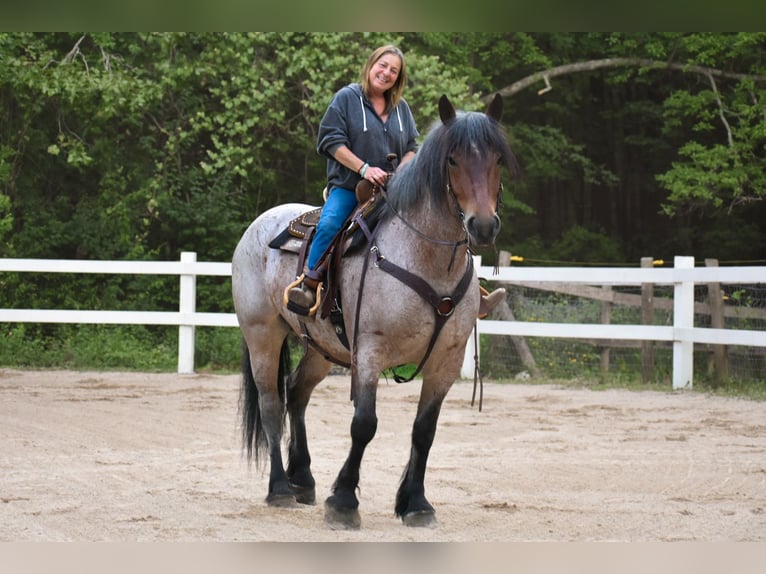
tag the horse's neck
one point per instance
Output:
(438, 220)
(434, 238)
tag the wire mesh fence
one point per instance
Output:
(736, 307)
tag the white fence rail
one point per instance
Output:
(682, 277)
(187, 317)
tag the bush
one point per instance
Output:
(89, 347)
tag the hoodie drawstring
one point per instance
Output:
(364, 116)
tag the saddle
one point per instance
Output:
(293, 237)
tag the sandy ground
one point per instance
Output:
(91, 456)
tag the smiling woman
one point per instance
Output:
(365, 123)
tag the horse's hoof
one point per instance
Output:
(304, 494)
(282, 500)
(342, 518)
(420, 519)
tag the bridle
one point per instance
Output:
(460, 214)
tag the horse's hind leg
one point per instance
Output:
(310, 371)
(262, 406)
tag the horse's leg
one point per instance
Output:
(411, 503)
(310, 371)
(263, 408)
(342, 507)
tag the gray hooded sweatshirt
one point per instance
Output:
(351, 120)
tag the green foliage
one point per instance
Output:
(721, 165)
(115, 347)
(141, 145)
(716, 176)
(22, 347)
(6, 218)
(578, 244)
(89, 347)
(547, 153)
(218, 349)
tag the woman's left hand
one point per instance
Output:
(376, 175)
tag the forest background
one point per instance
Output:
(142, 145)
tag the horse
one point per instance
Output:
(415, 294)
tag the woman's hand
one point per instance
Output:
(376, 176)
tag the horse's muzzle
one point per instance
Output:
(482, 231)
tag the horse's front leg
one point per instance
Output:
(342, 507)
(411, 503)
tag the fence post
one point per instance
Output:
(187, 304)
(683, 318)
(606, 318)
(647, 318)
(720, 352)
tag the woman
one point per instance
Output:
(363, 124)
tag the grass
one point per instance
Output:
(751, 390)
(155, 349)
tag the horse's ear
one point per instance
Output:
(495, 109)
(446, 110)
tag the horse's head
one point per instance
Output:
(477, 149)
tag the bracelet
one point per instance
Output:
(363, 169)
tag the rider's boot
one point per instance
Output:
(302, 298)
(490, 300)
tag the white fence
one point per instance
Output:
(187, 317)
(681, 333)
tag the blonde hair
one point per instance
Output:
(394, 94)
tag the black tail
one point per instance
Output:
(254, 440)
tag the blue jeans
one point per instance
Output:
(339, 205)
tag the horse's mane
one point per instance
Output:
(424, 178)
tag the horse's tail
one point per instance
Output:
(254, 440)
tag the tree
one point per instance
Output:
(143, 145)
(683, 109)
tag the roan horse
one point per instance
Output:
(437, 206)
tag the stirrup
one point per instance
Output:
(300, 309)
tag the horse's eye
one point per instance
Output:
(451, 162)
(500, 161)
